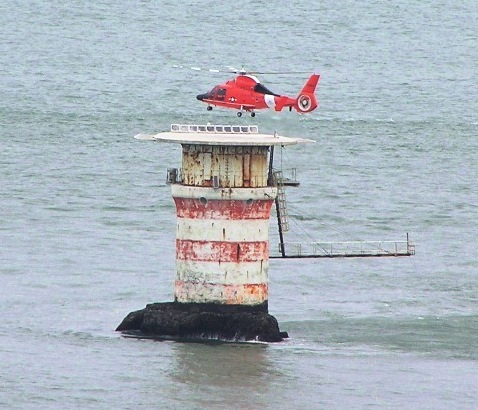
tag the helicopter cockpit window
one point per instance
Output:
(259, 88)
(220, 93)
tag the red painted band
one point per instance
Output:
(215, 251)
(223, 209)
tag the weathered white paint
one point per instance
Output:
(220, 273)
(194, 292)
(201, 162)
(222, 230)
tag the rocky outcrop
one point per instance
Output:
(182, 321)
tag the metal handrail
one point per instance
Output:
(218, 129)
(348, 249)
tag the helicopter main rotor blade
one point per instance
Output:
(212, 70)
(281, 72)
(242, 71)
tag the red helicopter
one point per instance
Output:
(246, 93)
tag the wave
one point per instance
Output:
(448, 336)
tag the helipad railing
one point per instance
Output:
(219, 129)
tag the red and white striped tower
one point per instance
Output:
(223, 197)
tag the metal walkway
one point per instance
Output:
(349, 249)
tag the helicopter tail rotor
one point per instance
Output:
(306, 101)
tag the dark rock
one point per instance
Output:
(176, 320)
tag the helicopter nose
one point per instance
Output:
(201, 97)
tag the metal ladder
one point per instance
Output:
(281, 203)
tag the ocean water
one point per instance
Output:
(87, 222)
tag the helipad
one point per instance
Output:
(242, 135)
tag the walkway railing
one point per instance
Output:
(211, 128)
(349, 249)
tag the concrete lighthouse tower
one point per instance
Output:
(223, 196)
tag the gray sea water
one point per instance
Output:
(87, 222)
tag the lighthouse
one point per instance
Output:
(223, 195)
